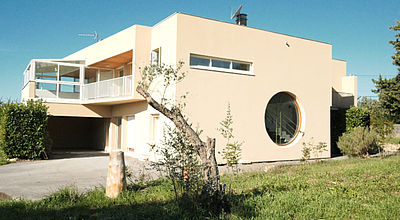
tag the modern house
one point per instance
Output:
(281, 88)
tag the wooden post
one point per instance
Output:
(116, 180)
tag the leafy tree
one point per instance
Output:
(213, 192)
(388, 90)
(396, 45)
(379, 117)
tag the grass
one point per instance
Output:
(392, 140)
(350, 189)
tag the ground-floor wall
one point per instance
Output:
(136, 127)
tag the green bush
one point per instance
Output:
(23, 130)
(357, 117)
(360, 141)
(380, 119)
(3, 159)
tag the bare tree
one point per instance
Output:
(213, 192)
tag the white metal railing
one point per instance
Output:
(110, 88)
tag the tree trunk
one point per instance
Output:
(213, 194)
(116, 180)
(210, 166)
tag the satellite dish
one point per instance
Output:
(237, 12)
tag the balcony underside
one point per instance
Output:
(115, 61)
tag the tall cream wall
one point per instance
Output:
(303, 68)
(338, 71)
(164, 35)
(349, 85)
(28, 92)
(141, 54)
(113, 45)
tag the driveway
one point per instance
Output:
(34, 180)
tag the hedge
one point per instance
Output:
(23, 130)
(357, 117)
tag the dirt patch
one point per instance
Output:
(4, 196)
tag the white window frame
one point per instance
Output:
(58, 82)
(219, 69)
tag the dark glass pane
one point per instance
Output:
(221, 64)
(198, 61)
(241, 66)
(281, 118)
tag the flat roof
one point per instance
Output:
(241, 26)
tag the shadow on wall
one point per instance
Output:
(342, 99)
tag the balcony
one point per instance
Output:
(112, 88)
(72, 82)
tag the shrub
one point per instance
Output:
(23, 130)
(233, 149)
(311, 149)
(181, 163)
(360, 141)
(357, 117)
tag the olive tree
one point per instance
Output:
(213, 192)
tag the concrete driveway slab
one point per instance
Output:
(34, 180)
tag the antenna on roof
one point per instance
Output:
(94, 35)
(237, 12)
(241, 19)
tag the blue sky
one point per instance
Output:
(357, 29)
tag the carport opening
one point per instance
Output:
(78, 133)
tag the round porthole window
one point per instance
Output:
(282, 118)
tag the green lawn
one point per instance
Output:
(349, 189)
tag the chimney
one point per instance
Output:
(241, 19)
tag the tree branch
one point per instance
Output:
(174, 115)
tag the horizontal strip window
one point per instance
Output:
(209, 63)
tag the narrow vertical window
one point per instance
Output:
(154, 118)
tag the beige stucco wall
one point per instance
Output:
(338, 71)
(141, 54)
(303, 69)
(28, 91)
(78, 110)
(128, 109)
(349, 85)
(113, 45)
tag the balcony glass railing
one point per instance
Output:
(111, 88)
